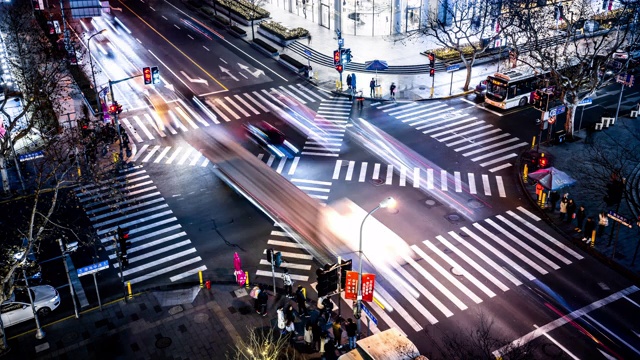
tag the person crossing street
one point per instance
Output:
(288, 283)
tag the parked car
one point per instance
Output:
(18, 308)
(270, 138)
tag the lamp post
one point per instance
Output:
(39, 332)
(93, 74)
(66, 267)
(388, 202)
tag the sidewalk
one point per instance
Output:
(184, 323)
(574, 159)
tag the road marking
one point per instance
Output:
(217, 111)
(156, 252)
(458, 181)
(308, 188)
(285, 90)
(472, 183)
(151, 264)
(316, 182)
(288, 265)
(376, 171)
(196, 157)
(469, 139)
(350, 170)
(486, 184)
(523, 244)
(176, 122)
(503, 166)
(281, 164)
(185, 156)
(245, 103)
(403, 176)
(270, 160)
(500, 185)
(279, 275)
(534, 240)
(566, 351)
(128, 209)
(162, 154)
(484, 148)
(443, 180)
(363, 172)
(284, 243)
(165, 270)
(416, 177)
(137, 155)
(293, 255)
(426, 292)
(401, 311)
(135, 222)
(228, 109)
(152, 122)
(233, 103)
(296, 90)
(510, 248)
(336, 170)
(150, 154)
(186, 117)
(545, 235)
(258, 104)
(294, 165)
(513, 147)
(188, 273)
(564, 320)
(407, 291)
(174, 155)
(312, 92)
(430, 179)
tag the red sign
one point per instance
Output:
(351, 286)
(368, 281)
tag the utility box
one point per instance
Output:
(559, 137)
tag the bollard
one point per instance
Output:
(208, 284)
(533, 143)
(130, 296)
(525, 173)
(200, 276)
(593, 238)
(543, 197)
(246, 282)
(304, 292)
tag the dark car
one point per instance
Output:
(270, 138)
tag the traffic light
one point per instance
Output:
(115, 108)
(327, 279)
(615, 190)
(432, 60)
(270, 256)
(347, 55)
(543, 161)
(337, 58)
(155, 75)
(345, 266)
(146, 73)
(323, 283)
(123, 245)
(339, 68)
(432, 72)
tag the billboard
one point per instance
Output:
(85, 8)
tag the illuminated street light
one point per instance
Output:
(93, 74)
(386, 203)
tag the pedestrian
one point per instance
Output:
(309, 39)
(288, 283)
(330, 350)
(263, 298)
(337, 332)
(571, 210)
(372, 86)
(328, 308)
(589, 228)
(563, 206)
(290, 330)
(352, 332)
(603, 222)
(554, 197)
(281, 319)
(255, 294)
(288, 313)
(302, 302)
(315, 333)
(580, 216)
(324, 338)
(308, 335)
(392, 91)
(349, 82)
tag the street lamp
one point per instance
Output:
(93, 74)
(39, 332)
(388, 202)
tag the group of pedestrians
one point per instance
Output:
(571, 213)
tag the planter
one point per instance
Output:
(237, 32)
(262, 46)
(292, 63)
(276, 39)
(243, 9)
(220, 21)
(282, 32)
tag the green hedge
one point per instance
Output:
(265, 46)
(244, 9)
(221, 19)
(208, 10)
(295, 63)
(282, 31)
(238, 30)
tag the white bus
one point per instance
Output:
(511, 89)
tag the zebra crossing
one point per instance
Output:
(295, 258)
(384, 174)
(147, 125)
(472, 137)
(161, 250)
(179, 155)
(331, 120)
(492, 256)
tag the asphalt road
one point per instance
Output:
(439, 264)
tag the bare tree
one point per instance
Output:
(467, 29)
(263, 344)
(578, 62)
(40, 76)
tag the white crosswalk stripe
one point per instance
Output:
(363, 171)
(328, 128)
(492, 262)
(160, 250)
(479, 141)
(295, 258)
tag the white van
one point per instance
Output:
(388, 345)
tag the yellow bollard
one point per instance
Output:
(431, 92)
(200, 276)
(533, 143)
(304, 292)
(129, 290)
(593, 238)
(116, 157)
(525, 173)
(338, 85)
(543, 198)
(246, 281)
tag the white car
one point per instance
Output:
(18, 308)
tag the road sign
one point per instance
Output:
(453, 67)
(31, 156)
(340, 42)
(557, 110)
(87, 270)
(585, 101)
(619, 218)
(307, 52)
(625, 79)
(369, 314)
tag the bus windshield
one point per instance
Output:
(496, 89)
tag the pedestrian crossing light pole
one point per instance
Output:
(386, 203)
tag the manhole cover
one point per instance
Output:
(422, 87)
(474, 204)
(201, 318)
(455, 271)
(453, 217)
(377, 182)
(240, 292)
(70, 337)
(176, 309)
(430, 202)
(163, 342)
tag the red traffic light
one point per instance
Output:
(146, 74)
(432, 72)
(431, 56)
(339, 68)
(337, 58)
(543, 162)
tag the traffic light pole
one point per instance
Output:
(359, 296)
(115, 115)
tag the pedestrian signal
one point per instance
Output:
(339, 68)
(432, 72)
(337, 58)
(543, 161)
(155, 75)
(432, 59)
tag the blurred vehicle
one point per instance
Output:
(271, 139)
(481, 90)
(18, 308)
